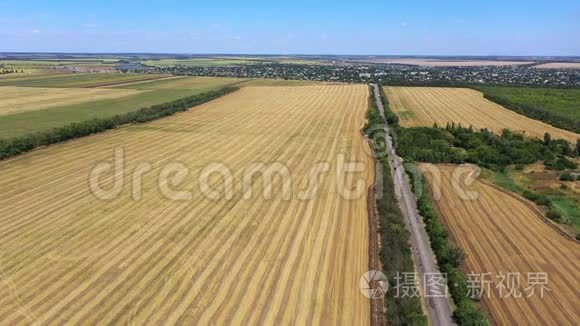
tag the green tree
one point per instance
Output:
(547, 139)
(567, 176)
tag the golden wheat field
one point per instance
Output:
(503, 233)
(423, 106)
(218, 257)
(21, 99)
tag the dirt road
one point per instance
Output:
(438, 308)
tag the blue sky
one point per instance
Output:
(444, 27)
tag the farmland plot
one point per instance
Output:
(22, 99)
(500, 234)
(76, 80)
(424, 106)
(235, 257)
(27, 110)
(180, 82)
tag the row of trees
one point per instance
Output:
(395, 252)
(4, 71)
(449, 257)
(15, 146)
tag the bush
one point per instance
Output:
(537, 198)
(562, 163)
(567, 176)
(554, 215)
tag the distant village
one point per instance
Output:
(393, 73)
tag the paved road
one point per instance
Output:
(438, 308)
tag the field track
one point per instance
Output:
(22, 99)
(423, 106)
(502, 233)
(67, 257)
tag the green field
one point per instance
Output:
(564, 102)
(56, 62)
(557, 107)
(160, 91)
(74, 80)
(180, 82)
(30, 66)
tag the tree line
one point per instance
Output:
(449, 257)
(10, 71)
(395, 253)
(18, 145)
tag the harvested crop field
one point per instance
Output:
(502, 233)
(559, 65)
(423, 106)
(237, 257)
(22, 99)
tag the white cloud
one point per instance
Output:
(404, 24)
(35, 31)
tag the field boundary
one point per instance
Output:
(378, 307)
